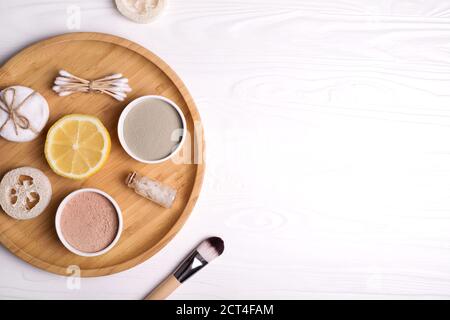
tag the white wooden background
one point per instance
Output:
(328, 145)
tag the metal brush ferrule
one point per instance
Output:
(193, 263)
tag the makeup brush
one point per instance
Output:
(206, 252)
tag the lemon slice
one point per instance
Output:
(77, 146)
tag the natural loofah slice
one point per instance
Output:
(140, 11)
(25, 193)
(23, 113)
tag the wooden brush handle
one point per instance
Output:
(165, 288)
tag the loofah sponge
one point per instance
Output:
(140, 11)
(25, 193)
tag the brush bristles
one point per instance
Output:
(211, 248)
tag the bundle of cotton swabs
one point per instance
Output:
(114, 85)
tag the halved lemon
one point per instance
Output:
(77, 146)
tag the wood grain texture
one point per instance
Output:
(164, 289)
(147, 226)
(349, 101)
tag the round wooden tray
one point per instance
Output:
(147, 226)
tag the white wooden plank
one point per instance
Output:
(327, 126)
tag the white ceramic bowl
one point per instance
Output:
(58, 223)
(124, 114)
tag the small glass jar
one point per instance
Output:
(153, 190)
